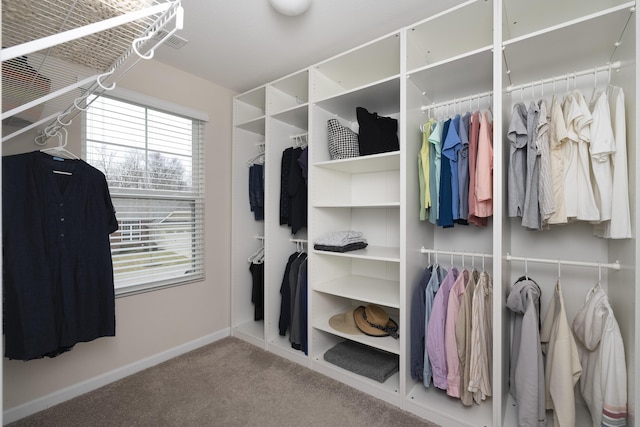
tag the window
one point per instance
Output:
(153, 162)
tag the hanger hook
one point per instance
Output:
(59, 120)
(105, 75)
(599, 272)
(526, 268)
(559, 269)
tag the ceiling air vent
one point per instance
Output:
(174, 41)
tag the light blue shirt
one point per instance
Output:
(437, 276)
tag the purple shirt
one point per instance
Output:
(435, 335)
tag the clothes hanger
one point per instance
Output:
(257, 159)
(60, 150)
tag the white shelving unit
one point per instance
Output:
(465, 58)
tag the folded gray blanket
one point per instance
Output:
(345, 248)
(363, 360)
(340, 238)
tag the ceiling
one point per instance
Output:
(242, 44)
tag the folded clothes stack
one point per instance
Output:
(341, 241)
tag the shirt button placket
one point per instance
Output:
(62, 228)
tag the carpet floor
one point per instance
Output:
(227, 383)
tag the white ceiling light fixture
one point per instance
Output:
(290, 7)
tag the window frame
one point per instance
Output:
(194, 199)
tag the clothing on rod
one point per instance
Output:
(563, 163)
(455, 170)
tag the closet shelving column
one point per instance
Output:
(445, 76)
(247, 233)
(286, 124)
(361, 194)
(580, 35)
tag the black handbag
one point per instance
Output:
(377, 134)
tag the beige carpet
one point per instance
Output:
(227, 383)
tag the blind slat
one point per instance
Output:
(159, 155)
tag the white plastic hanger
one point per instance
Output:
(60, 151)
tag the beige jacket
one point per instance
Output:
(563, 368)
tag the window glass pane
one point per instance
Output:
(152, 163)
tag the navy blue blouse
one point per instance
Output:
(58, 272)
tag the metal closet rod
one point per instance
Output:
(423, 250)
(298, 240)
(613, 66)
(612, 266)
(456, 101)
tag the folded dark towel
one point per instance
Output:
(363, 360)
(345, 248)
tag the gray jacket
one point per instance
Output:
(526, 371)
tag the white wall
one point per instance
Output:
(156, 322)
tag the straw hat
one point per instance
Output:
(345, 323)
(373, 320)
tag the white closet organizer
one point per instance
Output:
(481, 54)
(57, 53)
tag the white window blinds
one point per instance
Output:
(153, 161)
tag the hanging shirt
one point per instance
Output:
(484, 168)
(450, 344)
(545, 182)
(463, 337)
(436, 334)
(531, 212)
(437, 276)
(463, 169)
(445, 217)
(424, 170)
(602, 148)
(417, 325)
(587, 207)
(450, 149)
(435, 160)
(517, 135)
(557, 136)
(481, 357)
(571, 113)
(620, 225)
(474, 135)
(58, 272)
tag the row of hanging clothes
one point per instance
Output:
(293, 184)
(452, 331)
(549, 356)
(293, 297)
(568, 159)
(455, 167)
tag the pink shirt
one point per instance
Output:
(484, 168)
(450, 344)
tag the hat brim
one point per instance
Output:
(367, 329)
(340, 323)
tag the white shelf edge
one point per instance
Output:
(469, 54)
(356, 89)
(376, 253)
(570, 23)
(387, 344)
(362, 288)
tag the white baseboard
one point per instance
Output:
(37, 405)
